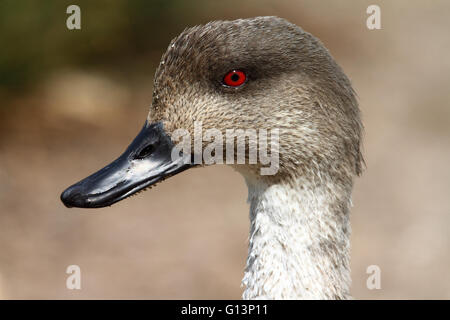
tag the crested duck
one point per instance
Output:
(262, 73)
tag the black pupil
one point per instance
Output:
(148, 150)
(235, 77)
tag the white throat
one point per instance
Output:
(299, 241)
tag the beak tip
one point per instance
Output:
(76, 197)
(71, 198)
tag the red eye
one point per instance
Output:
(234, 78)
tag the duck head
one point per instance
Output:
(263, 73)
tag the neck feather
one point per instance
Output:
(299, 241)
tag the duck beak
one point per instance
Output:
(146, 161)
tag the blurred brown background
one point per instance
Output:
(71, 101)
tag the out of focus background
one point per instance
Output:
(72, 100)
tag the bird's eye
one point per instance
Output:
(234, 78)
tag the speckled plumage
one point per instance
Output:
(299, 239)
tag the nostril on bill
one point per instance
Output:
(147, 151)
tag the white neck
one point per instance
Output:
(299, 241)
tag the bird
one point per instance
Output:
(269, 74)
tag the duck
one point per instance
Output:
(269, 74)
